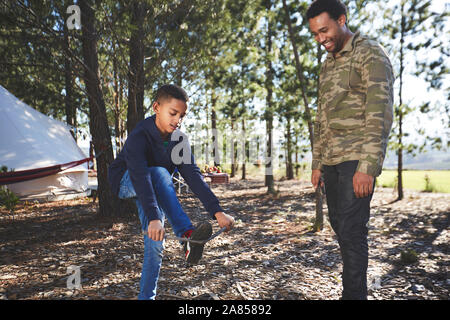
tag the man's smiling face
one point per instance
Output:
(329, 32)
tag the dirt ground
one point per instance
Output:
(271, 253)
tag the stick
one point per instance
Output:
(169, 237)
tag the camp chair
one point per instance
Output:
(179, 182)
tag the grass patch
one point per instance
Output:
(420, 180)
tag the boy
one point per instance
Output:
(143, 170)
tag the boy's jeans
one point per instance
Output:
(349, 217)
(170, 207)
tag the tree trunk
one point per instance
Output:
(207, 150)
(269, 112)
(71, 118)
(319, 210)
(98, 123)
(117, 100)
(400, 112)
(215, 133)
(269, 157)
(233, 151)
(400, 160)
(244, 149)
(123, 130)
(289, 167)
(296, 156)
(136, 70)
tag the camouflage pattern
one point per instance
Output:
(355, 112)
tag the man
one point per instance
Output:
(351, 132)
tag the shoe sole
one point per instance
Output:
(202, 232)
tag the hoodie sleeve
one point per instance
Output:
(193, 177)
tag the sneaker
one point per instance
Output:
(193, 251)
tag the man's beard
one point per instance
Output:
(339, 41)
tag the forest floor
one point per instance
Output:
(270, 254)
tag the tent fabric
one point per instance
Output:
(31, 140)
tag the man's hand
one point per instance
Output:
(315, 178)
(156, 230)
(224, 220)
(362, 184)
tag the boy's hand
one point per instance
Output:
(224, 220)
(156, 230)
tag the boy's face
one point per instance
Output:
(169, 114)
(328, 32)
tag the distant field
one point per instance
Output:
(439, 180)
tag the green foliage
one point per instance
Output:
(429, 187)
(8, 199)
(32, 56)
(216, 49)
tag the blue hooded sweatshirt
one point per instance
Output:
(145, 148)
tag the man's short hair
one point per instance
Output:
(335, 9)
(169, 91)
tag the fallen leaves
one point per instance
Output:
(270, 254)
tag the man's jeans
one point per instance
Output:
(170, 207)
(349, 217)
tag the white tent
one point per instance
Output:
(30, 140)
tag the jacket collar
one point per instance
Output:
(154, 132)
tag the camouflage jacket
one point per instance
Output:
(355, 113)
